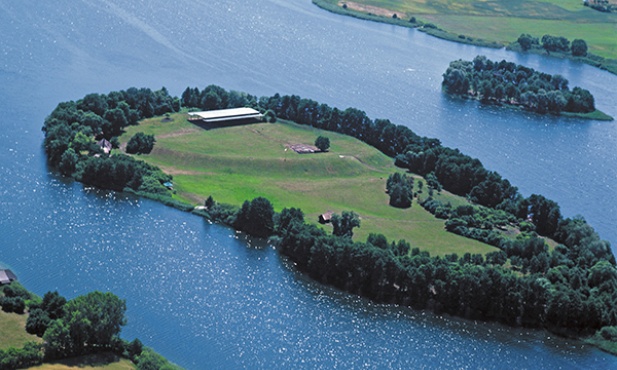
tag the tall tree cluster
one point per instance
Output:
(73, 128)
(508, 83)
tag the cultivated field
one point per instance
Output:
(239, 163)
(503, 21)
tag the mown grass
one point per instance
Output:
(239, 163)
(504, 21)
(13, 331)
(102, 361)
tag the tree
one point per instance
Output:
(343, 225)
(270, 116)
(209, 202)
(256, 217)
(140, 143)
(288, 218)
(57, 341)
(68, 162)
(322, 143)
(526, 41)
(38, 322)
(92, 320)
(579, 48)
(455, 81)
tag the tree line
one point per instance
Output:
(571, 289)
(577, 48)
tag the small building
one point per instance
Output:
(169, 185)
(325, 218)
(105, 145)
(227, 116)
(7, 276)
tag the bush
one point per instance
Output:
(322, 143)
(140, 143)
(38, 321)
(13, 304)
(609, 333)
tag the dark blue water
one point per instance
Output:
(206, 297)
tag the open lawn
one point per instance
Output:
(103, 361)
(13, 331)
(504, 21)
(239, 163)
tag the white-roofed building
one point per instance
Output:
(227, 115)
(6, 276)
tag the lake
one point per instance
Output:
(203, 295)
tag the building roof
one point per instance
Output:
(326, 217)
(105, 145)
(227, 114)
(6, 276)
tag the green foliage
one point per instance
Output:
(38, 321)
(609, 333)
(287, 219)
(579, 48)
(527, 41)
(135, 349)
(555, 43)
(400, 188)
(90, 322)
(29, 355)
(140, 143)
(270, 116)
(13, 304)
(322, 143)
(69, 129)
(153, 186)
(256, 218)
(344, 224)
(150, 360)
(508, 83)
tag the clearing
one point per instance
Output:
(239, 163)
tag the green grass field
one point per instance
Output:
(13, 331)
(504, 21)
(239, 163)
(101, 361)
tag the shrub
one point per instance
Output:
(140, 143)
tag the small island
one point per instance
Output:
(513, 85)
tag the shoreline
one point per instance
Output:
(605, 64)
(596, 115)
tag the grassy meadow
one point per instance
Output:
(101, 361)
(503, 21)
(13, 331)
(239, 163)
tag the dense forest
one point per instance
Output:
(508, 83)
(571, 288)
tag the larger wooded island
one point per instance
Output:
(498, 256)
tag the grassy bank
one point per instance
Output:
(13, 331)
(487, 23)
(237, 163)
(102, 361)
